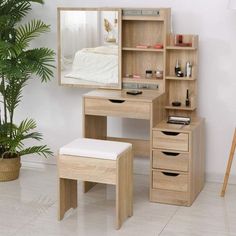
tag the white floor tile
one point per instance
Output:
(28, 207)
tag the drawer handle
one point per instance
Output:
(170, 133)
(170, 174)
(116, 101)
(171, 153)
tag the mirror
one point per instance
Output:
(89, 53)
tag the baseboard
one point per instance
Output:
(141, 167)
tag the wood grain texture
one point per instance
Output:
(117, 107)
(177, 142)
(67, 189)
(164, 159)
(162, 180)
(117, 172)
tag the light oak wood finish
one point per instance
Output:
(145, 30)
(169, 160)
(185, 172)
(170, 140)
(116, 172)
(140, 147)
(169, 180)
(92, 128)
(176, 87)
(230, 161)
(117, 107)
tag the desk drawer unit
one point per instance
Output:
(170, 167)
(170, 160)
(113, 107)
(170, 140)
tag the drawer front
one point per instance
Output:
(170, 197)
(170, 160)
(170, 140)
(111, 107)
(175, 181)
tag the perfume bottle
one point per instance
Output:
(177, 67)
(188, 69)
(187, 101)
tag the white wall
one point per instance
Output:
(58, 109)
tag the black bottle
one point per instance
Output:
(187, 101)
(177, 68)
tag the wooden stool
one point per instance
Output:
(98, 161)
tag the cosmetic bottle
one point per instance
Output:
(188, 69)
(177, 67)
(187, 101)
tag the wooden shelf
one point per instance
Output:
(141, 81)
(180, 108)
(143, 18)
(142, 49)
(180, 48)
(180, 78)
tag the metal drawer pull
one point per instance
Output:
(171, 153)
(170, 174)
(116, 101)
(170, 133)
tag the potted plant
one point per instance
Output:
(18, 62)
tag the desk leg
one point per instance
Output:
(94, 127)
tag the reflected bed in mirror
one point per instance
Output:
(89, 52)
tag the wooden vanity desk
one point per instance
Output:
(99, 104)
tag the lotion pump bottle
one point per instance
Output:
(188, 69)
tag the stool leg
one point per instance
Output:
(67, 196)
(130, 182)
(122, 194)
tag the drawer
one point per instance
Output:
(170, 197)
(170, 140)
(170, 160)
(113, 107)
(175, 181)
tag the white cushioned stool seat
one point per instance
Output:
(94, 148)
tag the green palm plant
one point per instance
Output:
(18, 62)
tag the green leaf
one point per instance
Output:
(29, 31)
(40, 60)
(40, 150)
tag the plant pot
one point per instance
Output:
(9, 169)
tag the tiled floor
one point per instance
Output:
(28, 206)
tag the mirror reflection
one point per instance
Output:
(89, 47)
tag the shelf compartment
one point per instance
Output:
(139, 62)
(186, 38)
(142, 49)
(142, 32)
(183, 56)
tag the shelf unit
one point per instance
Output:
(144, 30)
(176, 87)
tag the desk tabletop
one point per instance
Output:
(146, 96)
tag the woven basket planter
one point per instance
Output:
(9, 169)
